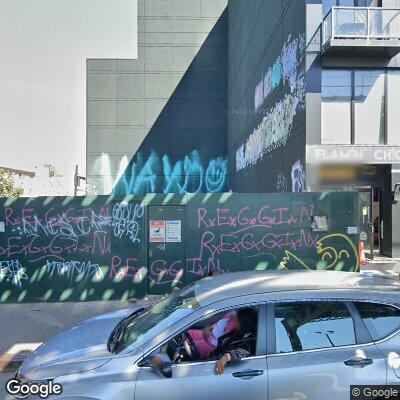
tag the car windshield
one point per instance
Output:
(158, 317)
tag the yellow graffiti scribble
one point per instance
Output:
(325, 252)
(286, 258)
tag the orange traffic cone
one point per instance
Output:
(361, 254)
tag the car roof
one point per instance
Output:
(224, 286)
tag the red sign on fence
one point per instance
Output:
(157, 231)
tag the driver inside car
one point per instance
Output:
(229, 340)
(240, 343)
(206, 340)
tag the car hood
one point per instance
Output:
(79, 349)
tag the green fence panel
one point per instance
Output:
(105, 247)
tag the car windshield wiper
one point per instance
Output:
(119, 329)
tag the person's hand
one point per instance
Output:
(221, 363)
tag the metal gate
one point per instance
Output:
(167, 248)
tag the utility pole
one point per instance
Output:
(77, 180)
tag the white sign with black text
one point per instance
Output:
(173, 231)
(352, 154)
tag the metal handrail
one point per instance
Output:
(331, 33)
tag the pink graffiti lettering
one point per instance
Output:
(161, 272)
(265, 217)
(126, 270)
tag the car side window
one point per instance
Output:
(381, 319)
(207, 338)
(303, 326)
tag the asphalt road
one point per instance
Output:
(24, 326)
(4, 377)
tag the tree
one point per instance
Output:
(52, 171)
(7, 185)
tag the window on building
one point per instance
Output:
(336, 100)
(369, 107)
(312, 325)
(392, 107)
(381, 320)
(354, 107)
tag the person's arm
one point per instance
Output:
(232, 356)
(221, 363)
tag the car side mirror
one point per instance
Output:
(162, 365)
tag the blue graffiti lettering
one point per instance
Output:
(216, 175)
(160, 175)
(283, 70)
(143, 175)
(276, 73)
(276, 126)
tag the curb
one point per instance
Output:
(11, 363)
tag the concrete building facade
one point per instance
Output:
(158, 123)
(255, 96)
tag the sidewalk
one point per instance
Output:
(25, 326)
(383, 265)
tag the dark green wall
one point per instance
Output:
(266, 96)
(71, 248)
(97, 248)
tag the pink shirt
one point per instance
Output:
(220, 328)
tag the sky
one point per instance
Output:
(44, 45)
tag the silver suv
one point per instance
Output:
(317, 334)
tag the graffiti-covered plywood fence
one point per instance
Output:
(63, 249)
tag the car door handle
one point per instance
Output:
(248, 374)
(358, 362)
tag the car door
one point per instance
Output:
(318, 349)
(246, 379)
(383, 323)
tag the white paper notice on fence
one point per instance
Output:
(173, 231)
(157, 231)
(352, 230)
